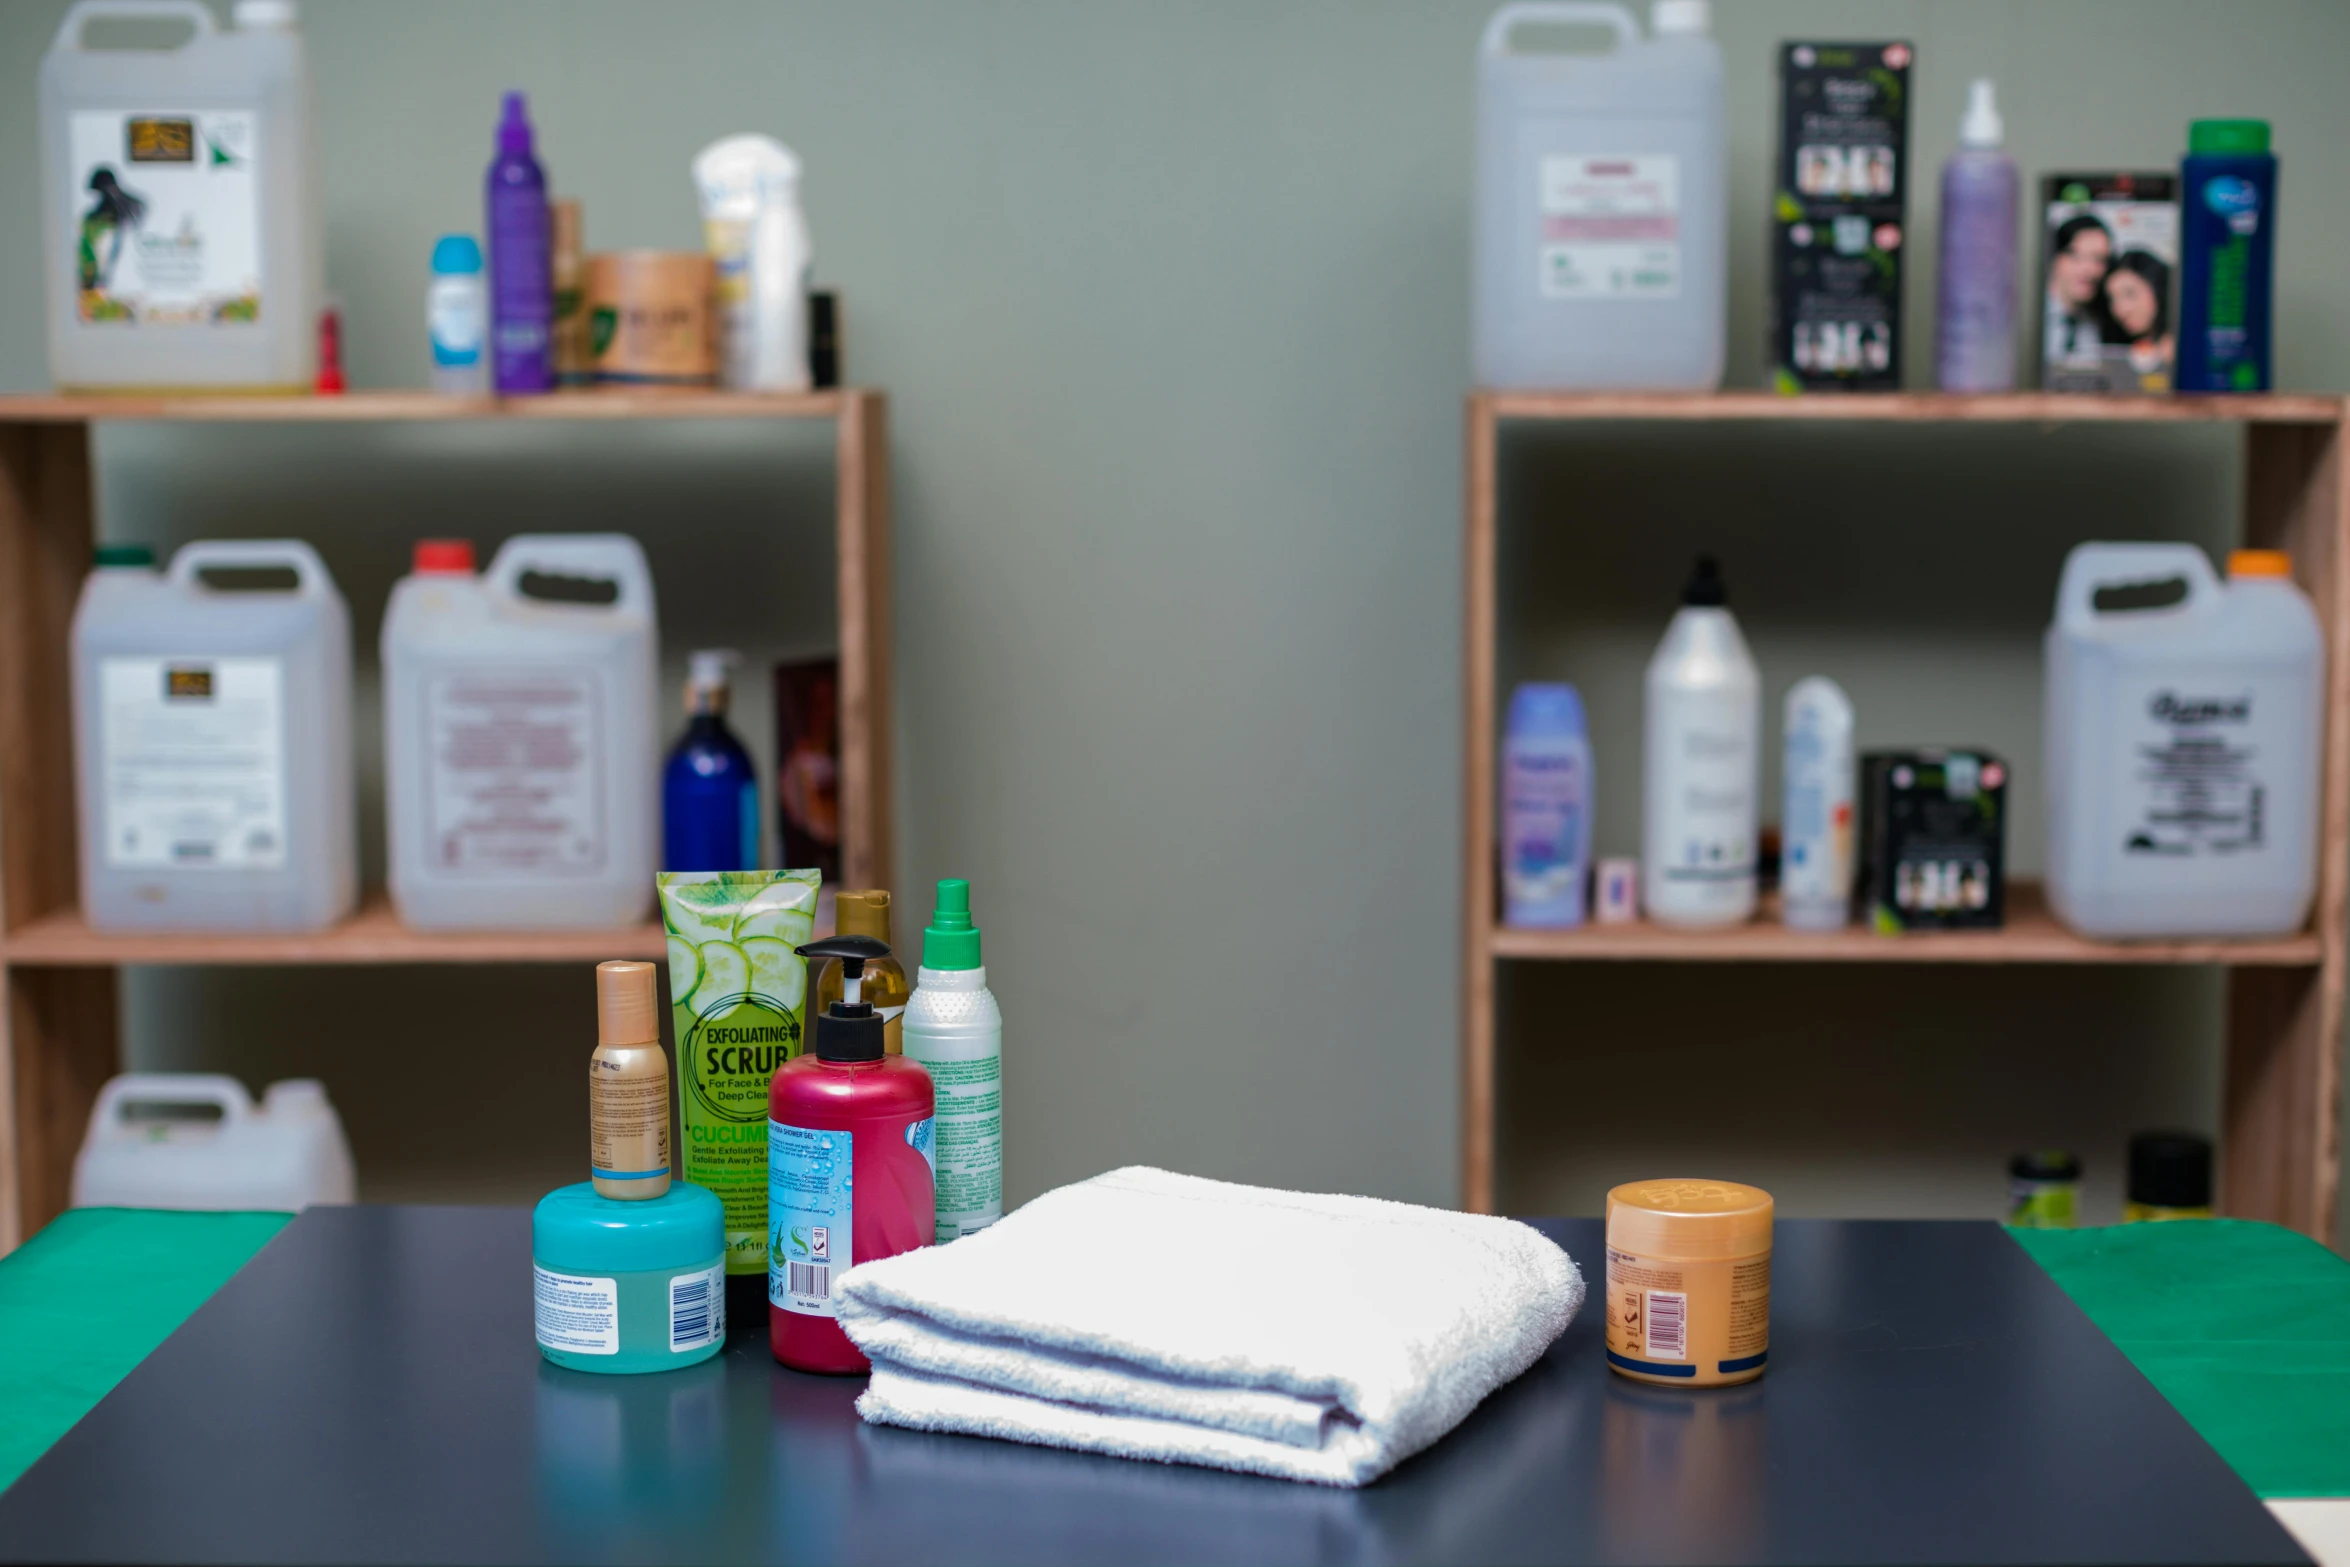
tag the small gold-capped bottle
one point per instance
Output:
(628, 1086)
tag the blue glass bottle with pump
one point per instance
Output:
(710, 789)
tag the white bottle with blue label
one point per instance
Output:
(1545, 808)
(457, 315)
(1815, 863)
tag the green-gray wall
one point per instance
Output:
(1171, 301)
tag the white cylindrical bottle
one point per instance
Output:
(1815, 862)
(457, 318)
(1703, 737)
(954, 1029)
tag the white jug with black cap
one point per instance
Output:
(522, 751)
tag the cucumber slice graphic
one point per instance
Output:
(685, 971)
(726, 974)
(701, 911)
(777, 972)
(784, 910)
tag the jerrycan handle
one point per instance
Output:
(614, 557)
(170, 1088)
(1567, 13)
(2092, 568)
(310, 573)
(83, 12)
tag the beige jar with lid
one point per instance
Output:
(1688, 1282)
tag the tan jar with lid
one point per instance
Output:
(1688, 1282)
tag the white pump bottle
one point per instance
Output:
(1703, 741)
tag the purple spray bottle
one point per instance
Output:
(522, 285)
(1974, 330)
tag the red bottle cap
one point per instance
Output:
(445, 555)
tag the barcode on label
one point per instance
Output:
(1668, 1325)
(694, 1319)
(809, 1280)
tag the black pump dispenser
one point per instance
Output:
(849, 1029)
(1705, 589)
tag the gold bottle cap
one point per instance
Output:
(626, 1004)
(863, 913)
(1689, 1219)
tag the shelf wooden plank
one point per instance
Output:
(2311, 408)
(2031, 935)
(371, 936)
(414, 407)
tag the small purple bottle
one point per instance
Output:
(1974, 329)
(522, 285)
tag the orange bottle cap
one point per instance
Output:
(2259, 563)
(1689, 1219)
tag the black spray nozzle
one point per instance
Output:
(1705, 587)
(849, 1029)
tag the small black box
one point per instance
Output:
(1933, 840)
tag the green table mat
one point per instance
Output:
(85, 1300)
(2244, 1327)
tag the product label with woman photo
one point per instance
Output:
(2106, 302)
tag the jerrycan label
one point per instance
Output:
(1611, 226)
(811, 1214)
(193, 763)
(513, 785)
(166, 218)
(2191, 782)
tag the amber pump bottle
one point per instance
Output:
(886, 986)
(628, 1086)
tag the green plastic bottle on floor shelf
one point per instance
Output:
(955, 1030)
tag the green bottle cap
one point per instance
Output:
(122, 555)
(2227, 136)
(950, 940)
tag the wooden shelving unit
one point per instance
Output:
(59, 1036)
(2280, 1151)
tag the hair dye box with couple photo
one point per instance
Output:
(2111, 245)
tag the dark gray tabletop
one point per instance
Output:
(367, 1390)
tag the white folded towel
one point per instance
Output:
(1166, 1317)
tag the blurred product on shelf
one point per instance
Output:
(807, 763)
(179, 218)
(2044, 1190)
(956, 1031)
(2228, 257)
(649, 318)
(1602, 203)
(710, 787)
(212, 740)
(1933, 840)
(521, 735)
(1615, 893)
(1840, 196)
(195, 1140)
(1546, 791)
(2109, 245)
(824, 338)
(330, 351)
(567, 273)
(866, 913)
(2184, 721)
(738, 1002)
(628, 1086)
(1815, 860)
(1703, 743)
(456, 317)
(1974, 324)
(522, 283)
(2170, 1177)
(757, 237)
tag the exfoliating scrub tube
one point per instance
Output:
(1688, 1282)
(625, 1286)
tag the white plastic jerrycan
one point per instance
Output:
(1601, 245)
(2184, 725)
(212, 742)
(179, 215)
(521, 745)
(195, 1140)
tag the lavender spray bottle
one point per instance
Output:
(522, 285)
(1974, 343)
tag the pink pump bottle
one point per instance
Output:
(851, 1166)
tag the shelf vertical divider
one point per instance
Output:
(1481, 635)
(2280, 1145)
(58, 1028)
(864, 593)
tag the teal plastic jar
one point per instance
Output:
(623, 1287)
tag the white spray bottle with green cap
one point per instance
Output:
(955, 1030)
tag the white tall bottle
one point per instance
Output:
(1703, 739)
(1815, 864)
(954, 1029)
